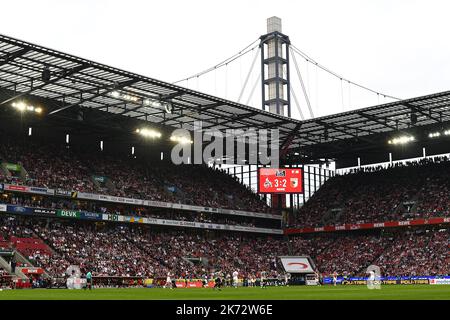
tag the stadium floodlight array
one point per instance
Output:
(118, 95)
(23, 107)
(149, 102)
(181, 139)
(434, 135)
(402, 140)
(438, 134)
(149, 133)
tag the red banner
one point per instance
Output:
(387, 224)
(193, 284)
(31, 270)
(12, 187)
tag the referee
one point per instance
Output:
(89, 280)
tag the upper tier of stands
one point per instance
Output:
(403, 191)
(59, 167)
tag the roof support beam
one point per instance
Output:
(422, 112)
(330, 126)
(200, 109)
(288, 141)
(62, 75)
(7, 58)
(107, 89)
(233, 119)
(377, 120)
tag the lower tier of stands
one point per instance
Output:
(109, 249)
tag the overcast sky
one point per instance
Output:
(400, 47)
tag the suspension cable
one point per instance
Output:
(253, 89)
(309, 59)
(225, 62)
(297, 104)
(248, 76)
(303, 85)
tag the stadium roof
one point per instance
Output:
(77, 82)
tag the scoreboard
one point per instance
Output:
(280, 180)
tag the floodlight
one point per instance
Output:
(181, 139)
(148, 133)
(402, 140)
(434, 134)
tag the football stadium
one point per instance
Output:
(118, 186)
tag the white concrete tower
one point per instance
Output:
(275, 69)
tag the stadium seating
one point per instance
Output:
(58, 167)
(125, 251)
(401, 192)
(120, 250)
(111, 208)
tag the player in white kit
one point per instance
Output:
(334, 278)
(287, 276)
(235, 278)
(263, 279)
(168, 282)
(371, 279)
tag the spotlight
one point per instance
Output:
(116, 94)
(402, 140)
(168, 106)
(434, 135)
(148, 133)
(447, 132)
(24, 107)
(21, 106)
(180, 139)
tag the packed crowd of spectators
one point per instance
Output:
(400, 192)
(128, 210)
(60, 167)
(128, 251)
(414, 254)
(125, 250)
(47, 165)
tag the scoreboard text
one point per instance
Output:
(281, 180)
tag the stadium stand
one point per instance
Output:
(124, 251)
(400, 192)
(61, 168)
(119, 250)
(403, 191)
(58, 203)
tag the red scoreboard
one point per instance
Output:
(281, 180)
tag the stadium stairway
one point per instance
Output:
(20, 258)
(3, 168)
(6, 266)
(289, 245)
(191, 260)
(110, 185)
(95, 182)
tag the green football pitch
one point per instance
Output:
(387, 292)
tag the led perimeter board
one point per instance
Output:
(280, 180)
